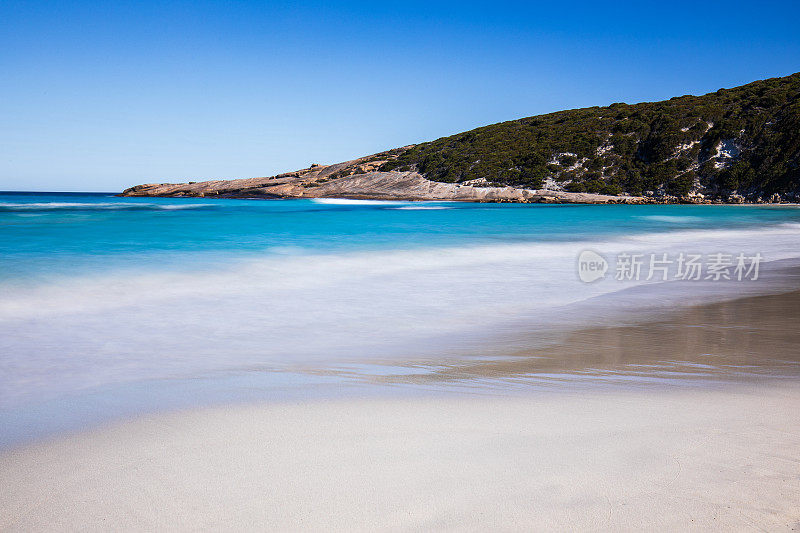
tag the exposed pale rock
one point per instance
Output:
(332, 181)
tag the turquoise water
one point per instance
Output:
(46, 234)
(110, 303)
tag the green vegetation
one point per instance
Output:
(744, 140)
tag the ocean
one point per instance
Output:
(117, 306)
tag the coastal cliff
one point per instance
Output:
(734, 145)
(360, 179)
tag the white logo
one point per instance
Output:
(591, 266)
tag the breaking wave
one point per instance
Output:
(347, 201)
(97, 206)
(291, 310)
(420, 207)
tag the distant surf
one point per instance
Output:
(98, 206)
(347, 201)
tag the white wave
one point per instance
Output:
(295, 309)
(419, 207)
(747, 236)
(404, 205)
(32, 206)
(347, 201)
(672, 219)
(171, 207)
(56, 205)
(291, 269)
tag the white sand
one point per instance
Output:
(662, 460)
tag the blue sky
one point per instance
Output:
(102, 96)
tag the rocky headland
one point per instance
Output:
(739, 145)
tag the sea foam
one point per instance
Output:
(96, 206)
(291, 310)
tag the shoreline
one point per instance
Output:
(655, 340)
(547, 197)
(480, 445)
(225, 197)
(546, 200)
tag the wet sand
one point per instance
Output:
(745, 339)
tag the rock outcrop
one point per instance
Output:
(357, 179)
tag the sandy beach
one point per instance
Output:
(690, 460)
(715, 448)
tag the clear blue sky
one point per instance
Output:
(103, 96)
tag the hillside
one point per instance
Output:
(744, 140)
(740, 144)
